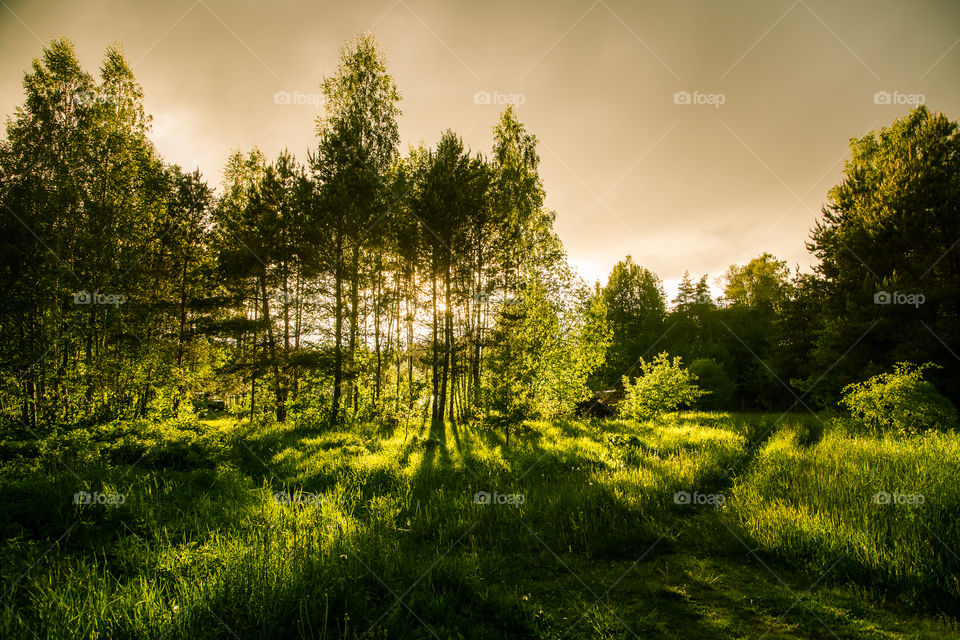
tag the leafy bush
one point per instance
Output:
(901, 402)
(664, 386)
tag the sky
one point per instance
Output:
(690, 134)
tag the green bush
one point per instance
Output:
(900, 402)
(664, 386)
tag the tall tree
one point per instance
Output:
(358, 138)
(888, 232)
(517, 197)
(635, 309)
(762, 283)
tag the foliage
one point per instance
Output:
(763, 283)
(544, 350)
(714, 380)
(900, 402)
(664, 386)
(388, 273)
(889, 227)
(636, 311)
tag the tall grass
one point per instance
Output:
(824, 505)
(393, 544)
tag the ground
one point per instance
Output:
(224, 530)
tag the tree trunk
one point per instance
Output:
(279, 388)
(180, 336)
(376, 326)
(435, 364)
(338, 333)
(354, 326)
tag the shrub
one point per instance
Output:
(664, 386)
(901, 402)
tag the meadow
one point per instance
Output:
(701, 524)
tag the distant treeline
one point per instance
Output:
(364, 282)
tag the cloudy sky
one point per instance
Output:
(691, 134)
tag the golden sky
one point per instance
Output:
(691, 134)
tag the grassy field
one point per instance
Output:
(701, 525)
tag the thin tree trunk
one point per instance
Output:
(434, 411)
(445, 369)
(354, 326)
(279, 388)
(376, 326)
(410, 312)
(338, 332)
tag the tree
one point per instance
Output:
(239, 262)
(713, 379)
(444, 204)
(762, 283)
(635, 310)
(517, 199)
(546, 344)
(358, 139)
(84, 201)
(889, 228)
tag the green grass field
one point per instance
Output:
(213, 529)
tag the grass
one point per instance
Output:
(823, 505)
(388, 541)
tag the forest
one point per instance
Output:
(391, 333)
